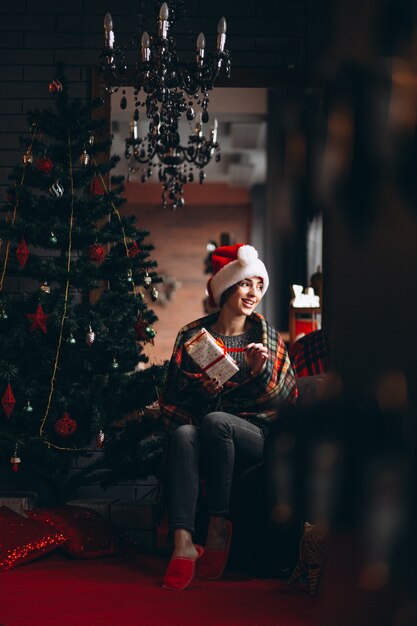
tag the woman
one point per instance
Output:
(209, 423)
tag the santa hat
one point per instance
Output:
(232, 264)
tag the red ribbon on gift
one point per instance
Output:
(225, 351)
(219, 358)
(220, 343)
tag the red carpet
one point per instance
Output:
(125, 591)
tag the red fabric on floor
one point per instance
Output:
(57, 590)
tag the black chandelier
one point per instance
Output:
(166, 88)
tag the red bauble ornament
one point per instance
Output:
(66, 426)
(55, 86)
(134, 250)
(8, 400)
(22, 253)
(96, 253)
(96, 188)
(38, 319)
(44, 165)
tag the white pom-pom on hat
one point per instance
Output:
(247, 255)
(232, 264)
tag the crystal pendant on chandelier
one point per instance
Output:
(167, 89)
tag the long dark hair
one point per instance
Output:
(228, 292)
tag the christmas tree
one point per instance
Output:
(76, 286)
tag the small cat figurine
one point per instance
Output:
(312, 552)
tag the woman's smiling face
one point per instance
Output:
(246, 295)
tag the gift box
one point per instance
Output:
(137, 522)
(19, 501)
(211, 356)
(134, 521)
(99, 505)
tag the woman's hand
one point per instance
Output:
(256, 357)
(211, 386)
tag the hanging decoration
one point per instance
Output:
(22, 253)
(100, 439)
(55, 86)
(28, 408)
(96, 253)
(140, 329)
(150, 332)
(53, 238)
(147, 280)
(85, 158)
(38, 319)
(56, 190)
(95, 188)
(90, 337)
(28, 157)
(44, 165)
(167, 88)
(45, 288)
(8, 400)
(66, 426)
(15, 460)
(154, 294)
(133, 250)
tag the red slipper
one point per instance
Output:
(181, 571)
(211, 566)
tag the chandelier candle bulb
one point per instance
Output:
(221, 34)
(146, 47)
(201, 44)
(108, 32)
(134, 128)
(214, 130)
(163, 21)
(199, 125)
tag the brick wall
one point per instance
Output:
(265, 38)
(180, 238)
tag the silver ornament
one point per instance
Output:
(85, 158)
(28, 158)
(100, 439)
(147, 281)
(56, 190)
(45, 288)
(89, 339)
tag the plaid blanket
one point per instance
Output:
(311, 354)
(257, 399)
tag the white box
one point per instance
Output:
(210, 356)
(19, 502)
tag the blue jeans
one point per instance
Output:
(211, 448)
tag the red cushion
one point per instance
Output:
(87, 534)
(23, 539)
